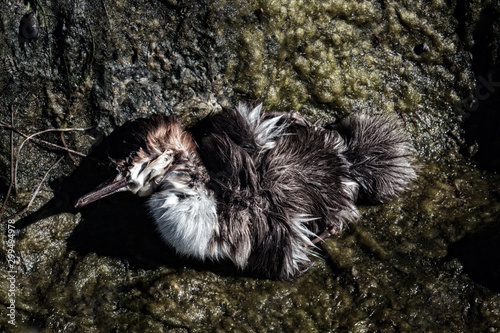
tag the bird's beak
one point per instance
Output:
(107, 188)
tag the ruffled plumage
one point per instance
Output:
(261, 189)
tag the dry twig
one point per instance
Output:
(40, 141)
(14, 161)
(30, 137)
(35, 193)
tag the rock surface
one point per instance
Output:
(427, 261)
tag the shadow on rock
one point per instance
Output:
(480, 256)
(482, 120)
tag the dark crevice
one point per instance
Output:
(482, 117)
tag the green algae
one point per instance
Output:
(391, 271)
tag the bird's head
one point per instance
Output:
(156, 147)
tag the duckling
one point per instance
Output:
(261, 189)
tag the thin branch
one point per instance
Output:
(15, 215)
(63, 140)
(30, 137)
(40, 141)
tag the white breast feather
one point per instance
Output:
(185, 218)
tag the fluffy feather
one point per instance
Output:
(261, 189)
(262, 195)
(184, 216)
(380, 153)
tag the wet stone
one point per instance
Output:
(423, 262)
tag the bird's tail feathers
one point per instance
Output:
(381, 155)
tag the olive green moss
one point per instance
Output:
(98, 64)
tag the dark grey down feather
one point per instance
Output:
(310, 179)
(261, 189)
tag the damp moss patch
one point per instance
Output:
(105, 269)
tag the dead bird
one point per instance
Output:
(260, 189)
